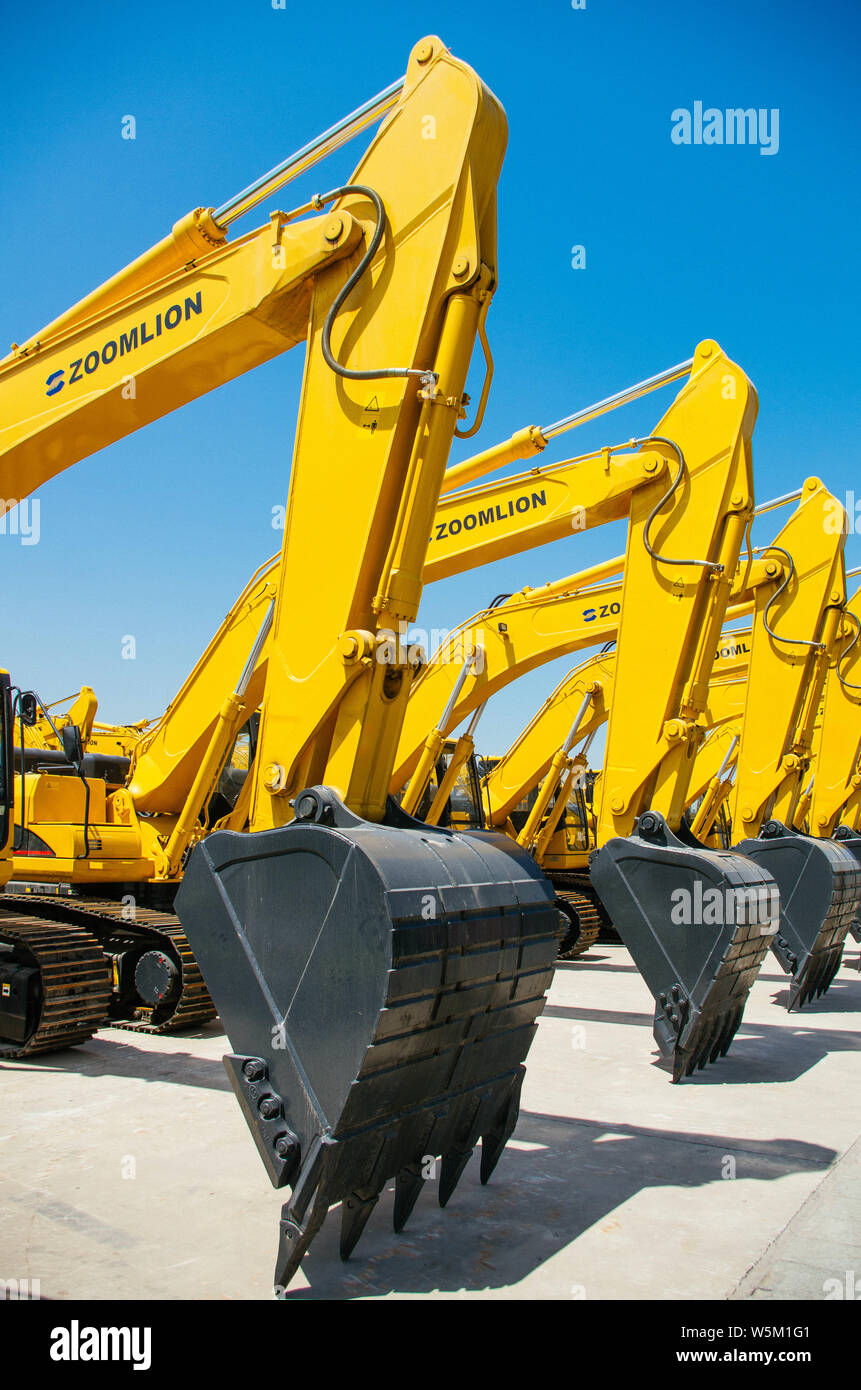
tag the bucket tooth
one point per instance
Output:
(820, 887)
(408, 1186)
(451, 1171)
(698, 923)
(366, 1035)
(355, 1211)
(294, 1238)
(494, 1140)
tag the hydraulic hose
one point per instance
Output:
(671, 491)
(795, 641)
(848, 685)
(319, 200)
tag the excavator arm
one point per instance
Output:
(577, 708)
(838, 742)
(188, 316)
(338, 937)
(795, 632)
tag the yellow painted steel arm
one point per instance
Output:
(154, 339)
(370, 453)
(528, 760)
(528, 630)
(530, 757)
(837, 744)
(673, 613)
(168, 757)
(519, 513)
(711, 422)
(794, 632)
(722, 745)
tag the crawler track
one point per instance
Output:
(115, 931)
(75, 981)
(584, 923)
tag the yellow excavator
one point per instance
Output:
(543, 755)
(801, 593)
(796, 636)
(541, 791)
(115, 836)
(379, 981)
(833, 800)
(807, 725)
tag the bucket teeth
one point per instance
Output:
(408, 1186)
(698, 925)
(494, 1140)
(453, 1164)
(814, 977)
(706, 1042)
(355, 1211)
(294, 1238)
(360, 1053)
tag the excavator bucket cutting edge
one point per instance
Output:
(380, 985)
(698, 924)
(820, 886)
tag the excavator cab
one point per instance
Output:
(462, 808)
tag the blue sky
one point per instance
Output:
(155, 535)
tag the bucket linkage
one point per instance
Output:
(380, 985)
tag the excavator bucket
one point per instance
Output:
(851, 840)
(820, 885)
(698, 924)
(380, 985)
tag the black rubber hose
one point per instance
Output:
(848, 685)
(373, 245)
(794, 641)
(671, 491)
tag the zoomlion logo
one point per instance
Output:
(489, 516)
(731, 649)
(129, 342)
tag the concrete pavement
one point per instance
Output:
(126, 1169)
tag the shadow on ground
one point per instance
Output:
(577, 1174)
(761, 1053)
(114, 1052)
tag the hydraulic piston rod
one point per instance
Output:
(534, 438)
(305, 158)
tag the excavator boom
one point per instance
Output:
(379, 980)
